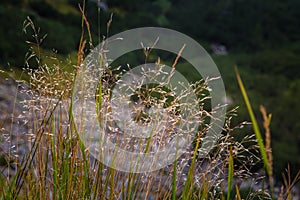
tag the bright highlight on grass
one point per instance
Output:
(150, 101)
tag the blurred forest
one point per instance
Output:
(261, 37)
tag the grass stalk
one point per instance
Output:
(266, 125)
(230, 173)
(254, 123)
(238, 195)
(174, 184)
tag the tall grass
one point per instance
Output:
(59, 165)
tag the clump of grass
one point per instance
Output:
(60, 166)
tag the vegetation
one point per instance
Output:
(268, 40)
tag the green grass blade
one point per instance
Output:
(7, 189)
(188, 188)
(54, 156)
(254, 122)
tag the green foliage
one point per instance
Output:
(63, 31)
(241, 25)
(286, 141)
(12, 40)
(283, 62)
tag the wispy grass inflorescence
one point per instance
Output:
(60, 166)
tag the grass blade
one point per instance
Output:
(254, 122)
(188, 188)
